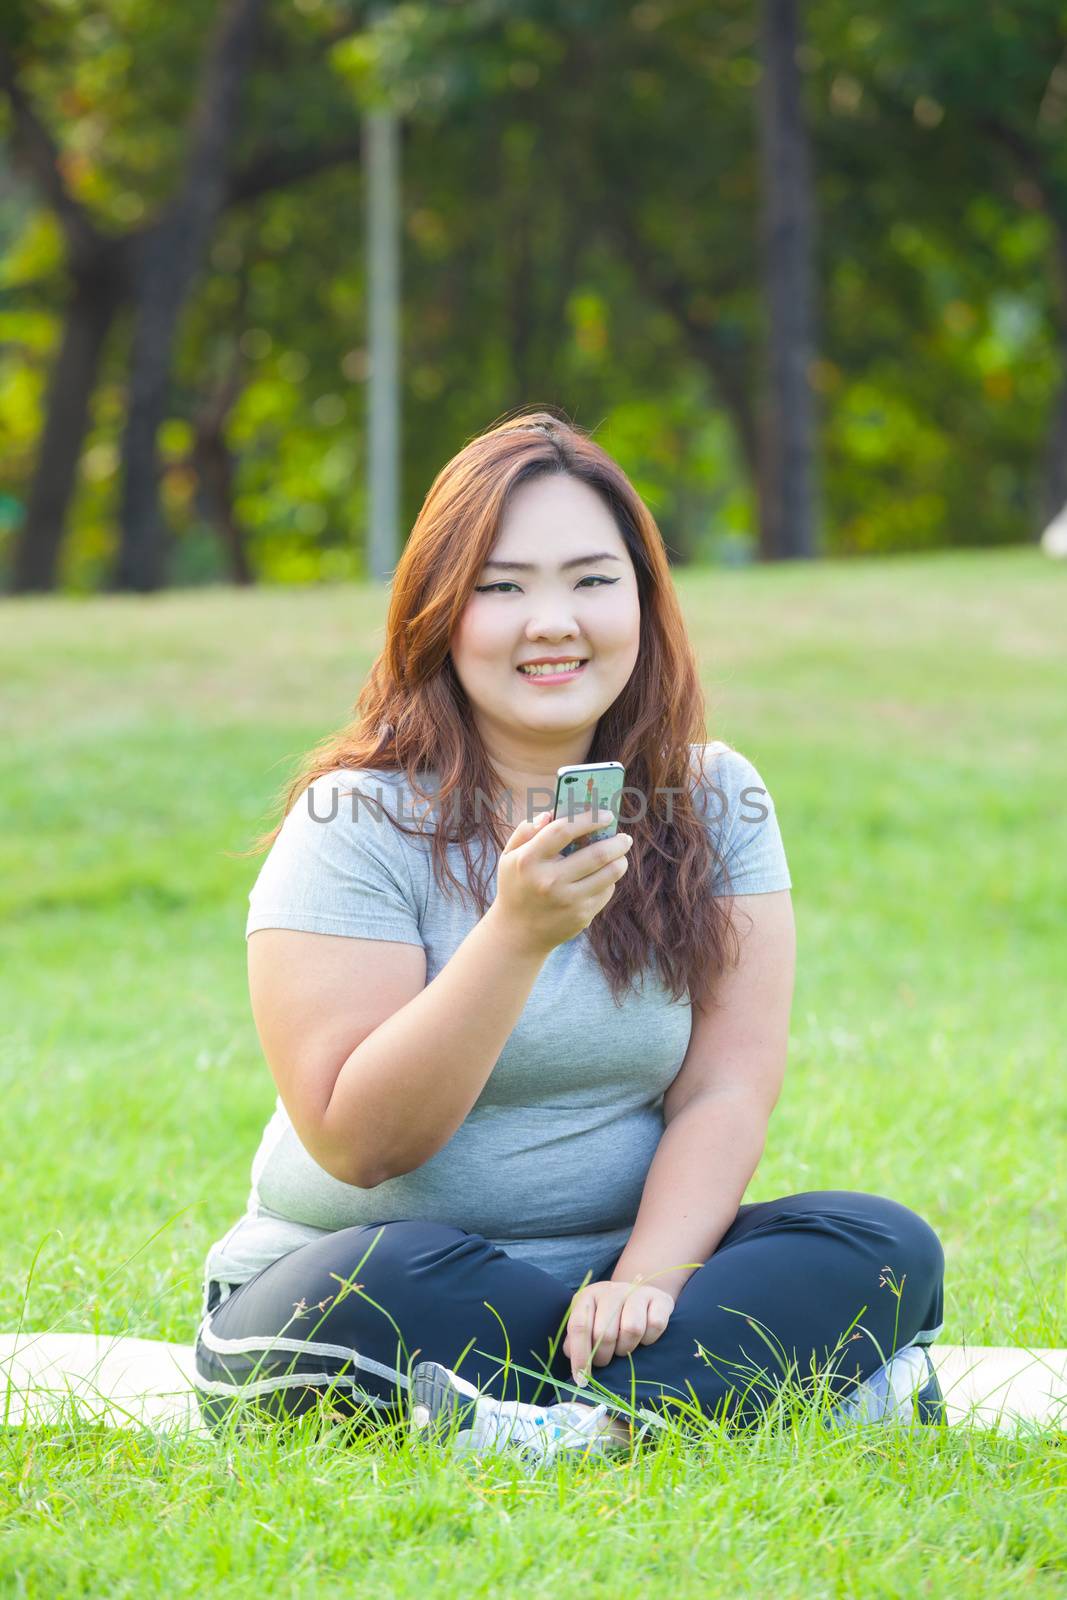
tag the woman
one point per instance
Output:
(521, 1094)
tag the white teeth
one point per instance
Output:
(550, 670)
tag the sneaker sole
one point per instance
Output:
(435, 1402)
(929, 1400)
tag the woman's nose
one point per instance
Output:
(546, 626)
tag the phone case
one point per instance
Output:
(578, 788)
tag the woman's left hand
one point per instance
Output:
(611, 1319)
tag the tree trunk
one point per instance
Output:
(1053, 490)
(96, 296)
(786, 490)
(1054, 471)
(169, 259)
(92, 257)
(142, 559)
(213, 462)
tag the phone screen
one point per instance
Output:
(579, 788)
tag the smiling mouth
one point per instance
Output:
(552, 674)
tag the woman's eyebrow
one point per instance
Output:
(575, 561)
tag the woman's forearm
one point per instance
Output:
(702, 1166)
(403, 1092)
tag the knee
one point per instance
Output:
(926, 1250)
(917, 1249)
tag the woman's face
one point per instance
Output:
(589, 611)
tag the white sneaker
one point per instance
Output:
(904, 1389)
(537, 1433)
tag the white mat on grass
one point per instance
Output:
(128, 1382)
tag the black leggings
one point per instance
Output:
(830, 1280)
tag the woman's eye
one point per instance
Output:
(487, 588)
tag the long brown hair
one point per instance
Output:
(410, 714)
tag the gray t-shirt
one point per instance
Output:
(551, 1160)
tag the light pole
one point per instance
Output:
(381, 166)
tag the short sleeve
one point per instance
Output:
(338, 865)
(742, 823)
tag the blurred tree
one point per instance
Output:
(211, 458)
(659, 185)
(99, 269)
(582, 192)
(971, 102)
(787, 457)
(152, 266)
(166, 259)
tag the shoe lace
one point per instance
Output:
(543, 1429)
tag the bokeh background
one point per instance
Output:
(802, 268)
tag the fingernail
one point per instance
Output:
(581, 1379)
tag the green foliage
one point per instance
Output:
(580, 211)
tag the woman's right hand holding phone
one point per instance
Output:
(544, 898)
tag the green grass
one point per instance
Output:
(907, 715)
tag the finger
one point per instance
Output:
(585, 820)
(525, 830)
(578, 1331)
(655, 1324)
(637, 1318)
(632, 1330)
(605, 1332)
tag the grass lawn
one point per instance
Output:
(908, 715)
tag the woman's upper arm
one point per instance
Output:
(740, 1045)
(315, 998)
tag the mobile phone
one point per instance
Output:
(580, 787)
